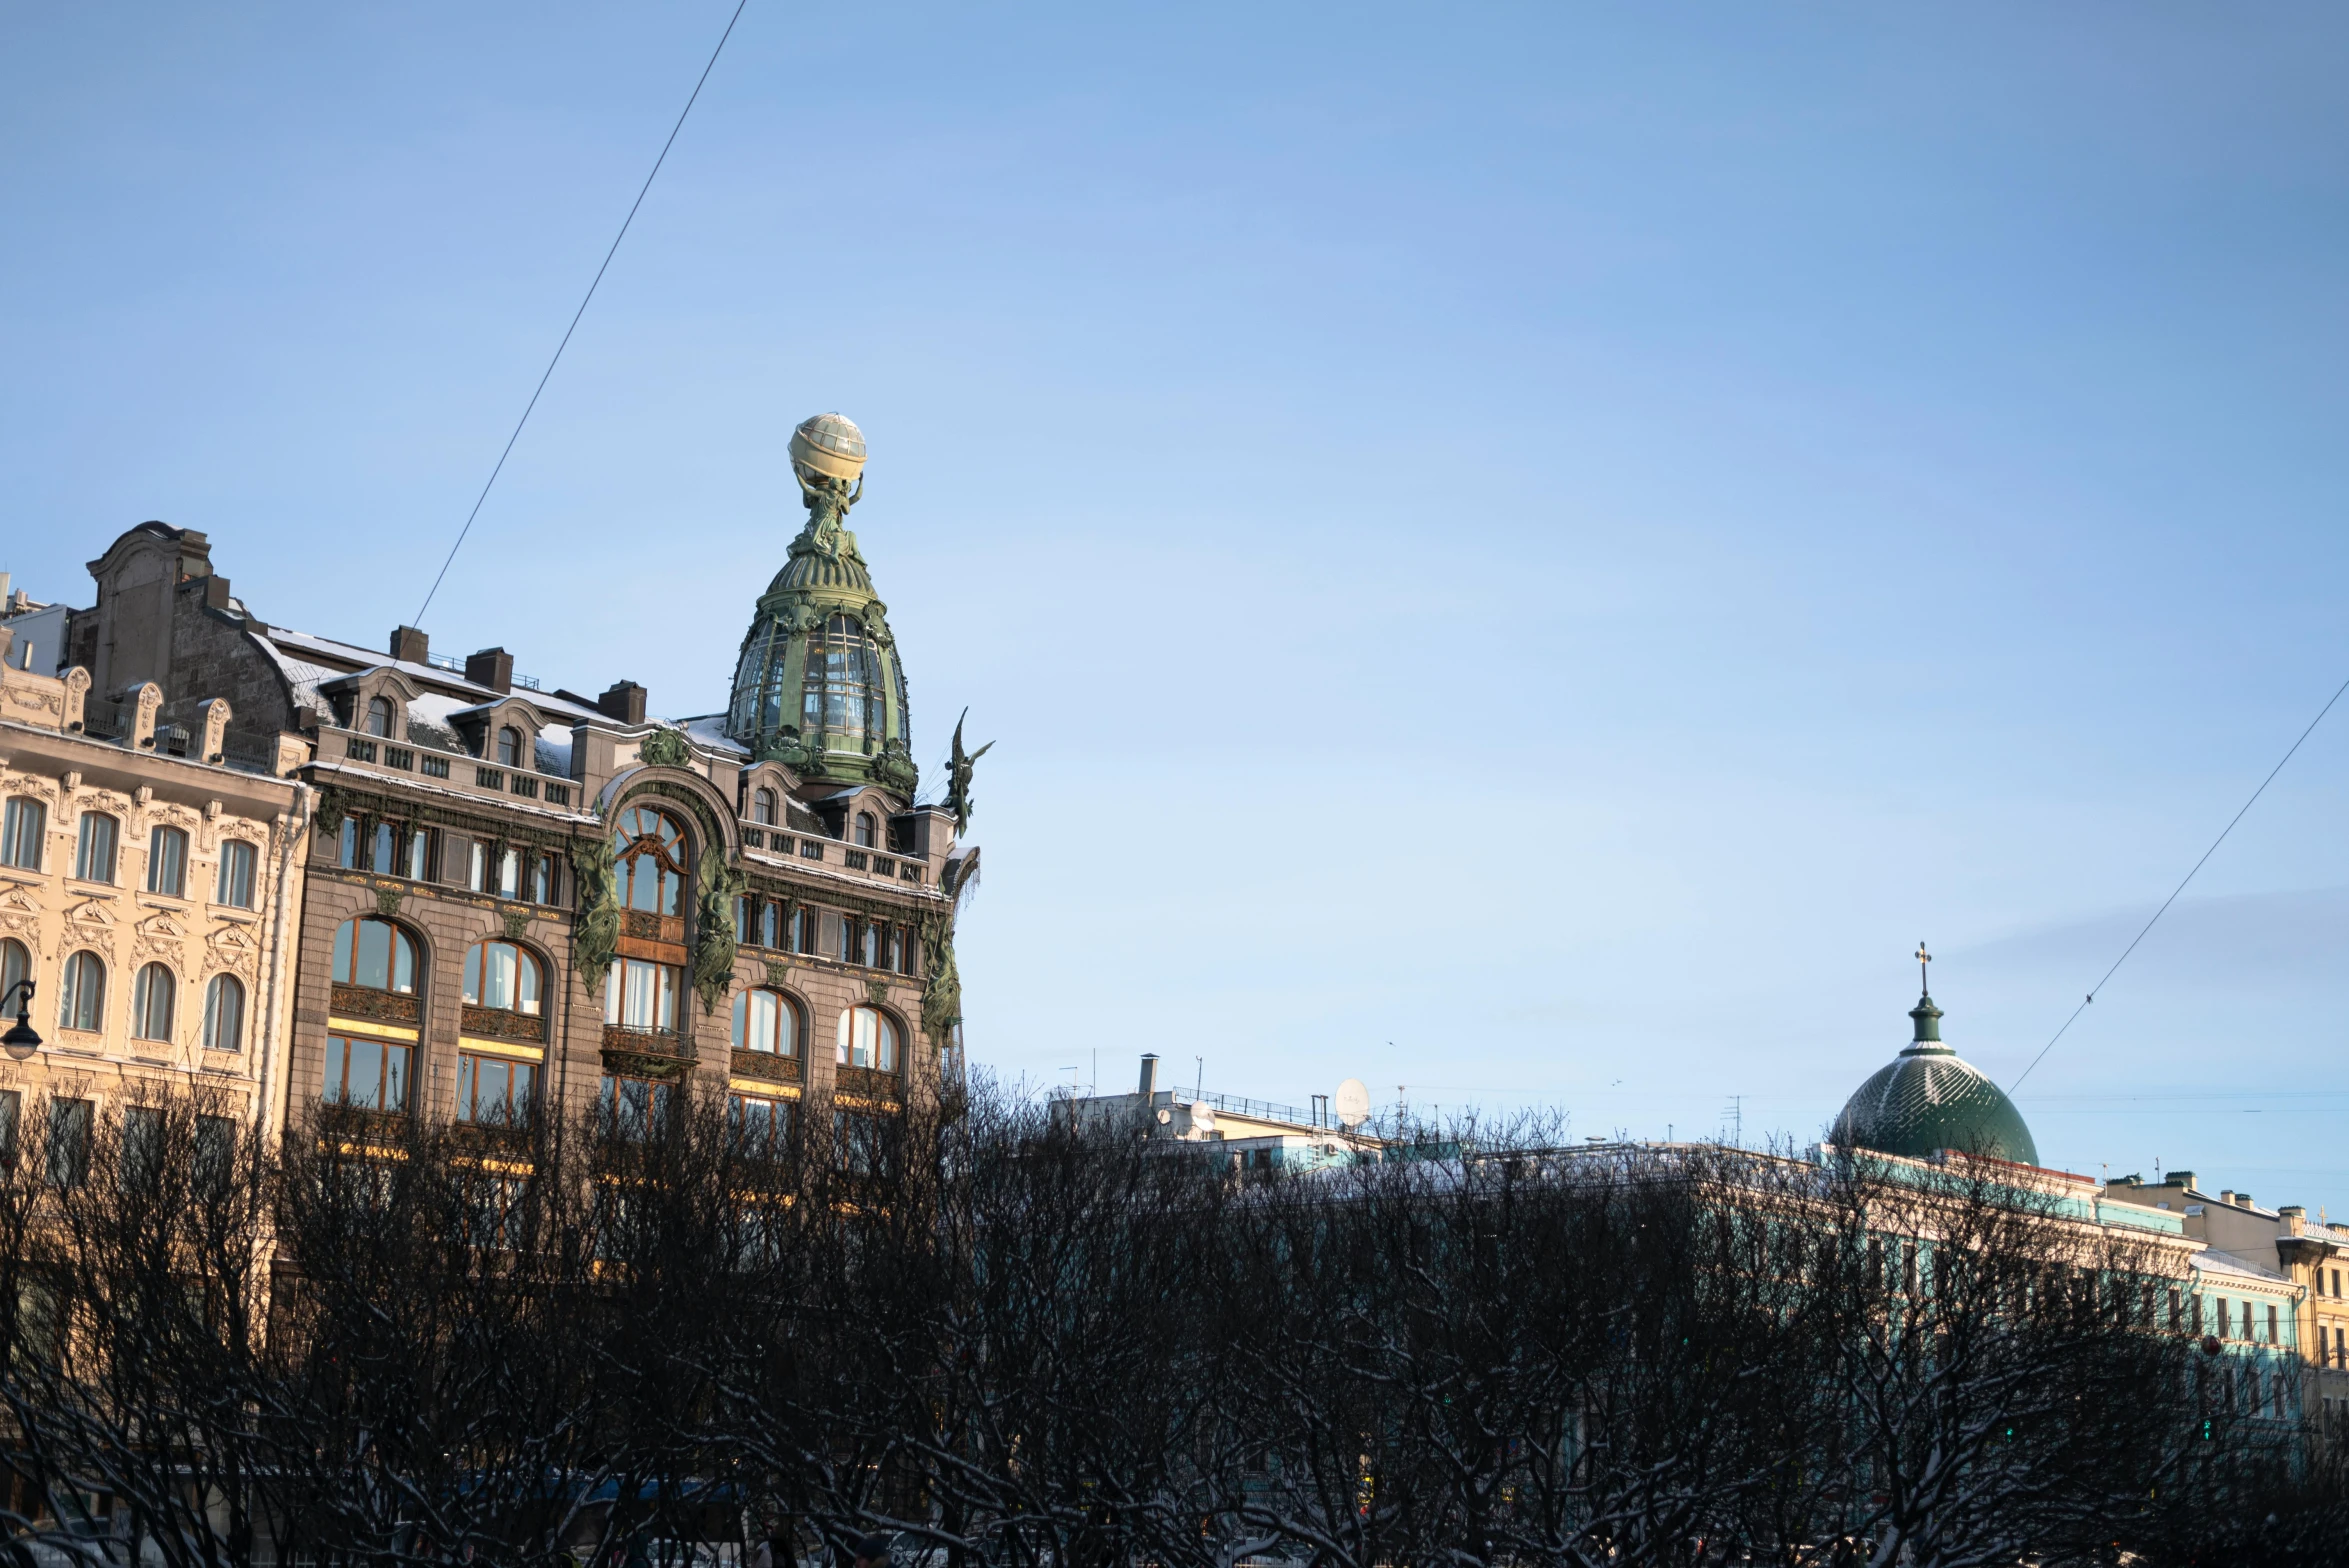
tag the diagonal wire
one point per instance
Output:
(2181, 887)
(581, 311)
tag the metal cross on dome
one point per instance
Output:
(1923, 958)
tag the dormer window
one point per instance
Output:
(867, 830)
(510, 747)
(762, 807)
(379, 717)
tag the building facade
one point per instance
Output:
(518, 902)
(151, 893)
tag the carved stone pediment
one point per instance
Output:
(231, 946)
(91, 920)
(161, 935)
(18, 913)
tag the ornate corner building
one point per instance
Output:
(517, 901)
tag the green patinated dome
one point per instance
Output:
(1927, 1100)
(818, 686)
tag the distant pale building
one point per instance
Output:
(150, 892)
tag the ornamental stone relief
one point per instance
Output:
(231, 947)
(91, 923)
(161, 936)
(19, 915)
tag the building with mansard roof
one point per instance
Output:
(520, 899)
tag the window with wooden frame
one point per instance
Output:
(648, 855)
(867, 1037)
(765, 1020)
(375, 955)
(239, 864)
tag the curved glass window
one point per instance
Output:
(16, 962)
(758, 682)
(765, 1021)
(503, 976)
(81, 1001)
(152, 993)
(842, 694)
(648, 854)
(224, 1014)
(868, 1038)
(375, 954)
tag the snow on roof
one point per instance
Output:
(2227, 1263)
(310, 652)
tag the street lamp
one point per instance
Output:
(22, 1041)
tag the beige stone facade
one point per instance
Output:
(150, 892)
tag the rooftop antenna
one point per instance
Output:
(1199, 1084)
(1736, 1115)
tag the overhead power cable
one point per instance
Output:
(2181, 887)
(581, 311)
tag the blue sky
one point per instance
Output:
(1524, 554)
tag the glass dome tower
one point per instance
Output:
(818, 686)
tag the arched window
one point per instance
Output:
(762, 806)
(81, 1000)
(375, 954)
(766, 1021)
(868, 1038)
(152, 992)
(510, 746)
(503, 976)
(379, 717)
(224, 1014)
(93, 851)
(16, 962)
(866, 830)
(648, 853)
(842, 693)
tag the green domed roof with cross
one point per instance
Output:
(818, 686)
(1926, 1100)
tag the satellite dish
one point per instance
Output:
(1164, 1116)
(1202, 1117)
(1352, 1104)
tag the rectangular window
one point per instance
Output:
(11, 1107)
(142, 1147)
(234, 886)
(546, 879)
(760, 1127)
(346, 853)
(743, 908)
(627, 1107)
(641, 995)
(909, 952)
(2225, 1320)
(494, 1091)
(843, 933)
(22, 828)
(2194, 1315)
(93, 853)
(433, 767)
(371, 1074)
(510, 873)
(770, 924)
(807, 930)
(167, 863)
(69, 1142)
(422, 844)
(861, 1144)
(2271, 1325)
(383, 850)
(477, 866)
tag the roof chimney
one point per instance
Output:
(410, 646)
(623, 701)
(1149, 1075)
(491, 667)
